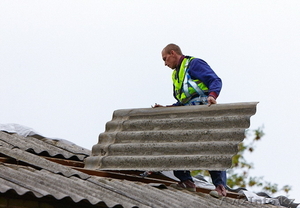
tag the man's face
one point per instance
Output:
(169, 59)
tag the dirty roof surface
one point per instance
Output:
(44, 146)
(23, 169)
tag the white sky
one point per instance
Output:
(67, 65)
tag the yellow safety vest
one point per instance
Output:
(184, 86)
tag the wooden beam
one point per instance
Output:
(6, 160)
(66, 162)
(122, 176)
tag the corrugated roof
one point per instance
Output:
(95, 190)
(50, 179)
(43, 146)
(40, 162)
(172, 138)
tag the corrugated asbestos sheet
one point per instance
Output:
(43, 178)
(43, 146)
(112, 193)
(172, 138)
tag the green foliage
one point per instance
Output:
(239, 174)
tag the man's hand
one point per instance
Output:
(211, 100)
(156, 105)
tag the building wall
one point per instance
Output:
(9, 200)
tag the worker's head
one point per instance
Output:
(171, 55)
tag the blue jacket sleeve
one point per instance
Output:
(199, 69)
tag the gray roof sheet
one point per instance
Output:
(40, 162)
(60, 182)
(97, 190)
(172, 138)
(41, 145)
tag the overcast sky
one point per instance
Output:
(67, 65)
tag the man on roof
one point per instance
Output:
(194, 83)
